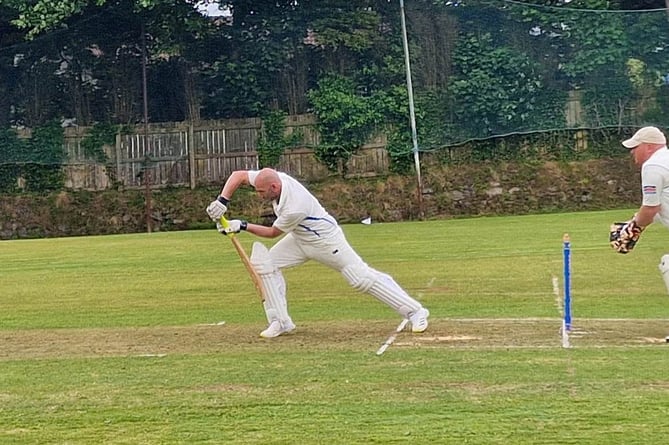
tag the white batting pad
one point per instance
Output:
(664, 269)
(276, 306)
(382, 286)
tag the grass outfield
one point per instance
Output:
(153, 339)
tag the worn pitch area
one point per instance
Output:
(367, 336)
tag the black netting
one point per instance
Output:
(485, 69)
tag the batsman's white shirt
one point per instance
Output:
(311, 232)
(655, 184)
(299, 212)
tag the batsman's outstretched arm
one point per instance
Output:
(235, 180)
(219, 206)
(263, 231)
(230, 227)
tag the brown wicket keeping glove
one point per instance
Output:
(623, 236)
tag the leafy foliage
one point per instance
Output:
(494, 90)
(33, 164)
(482, 69)
(44, 171)
(273, 141)
(238, 92)
(346, 120)
(11, 154)
(96, 138)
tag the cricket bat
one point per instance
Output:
(246, 260)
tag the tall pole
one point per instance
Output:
(412, 112)
(147, 184)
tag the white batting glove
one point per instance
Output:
(217, 208)
(234, 226)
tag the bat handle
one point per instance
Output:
(225, 224)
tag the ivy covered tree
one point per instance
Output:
(494, 90)
(32, 164)
(346, 119)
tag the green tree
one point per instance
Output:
(44, 170)
(33, 164)
(92, 69)
(9, 73)
(597, 51)
(12, 153)
(494, 90)
(42, 15)
(274, 141)
(268, 59)
(346, 119)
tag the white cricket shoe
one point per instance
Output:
(419, 320)
(275, 329)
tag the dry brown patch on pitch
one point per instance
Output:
(326, 335)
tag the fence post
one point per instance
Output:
(118, 158)
(190, 146)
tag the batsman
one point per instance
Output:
(308, 232)
(648, 148)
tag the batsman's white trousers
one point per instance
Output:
(336, 253)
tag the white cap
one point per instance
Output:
(647, 135)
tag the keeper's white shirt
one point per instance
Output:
(655, 184)
(299, 212)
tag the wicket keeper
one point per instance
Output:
(648, 148)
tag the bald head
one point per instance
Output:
(268, 184)
(267, 176)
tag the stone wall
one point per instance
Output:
(449, 191)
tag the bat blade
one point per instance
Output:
(245, 260)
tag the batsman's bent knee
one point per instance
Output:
(360, 276)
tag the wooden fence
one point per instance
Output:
(186, 154)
